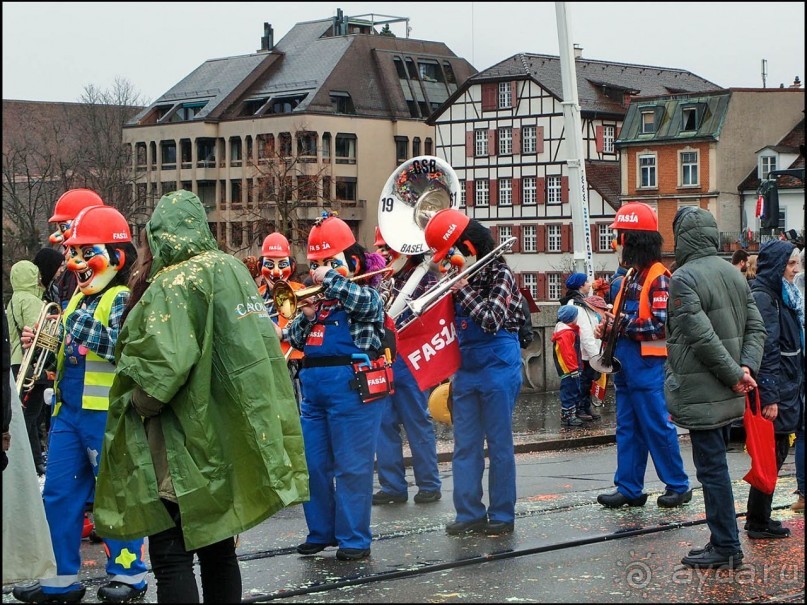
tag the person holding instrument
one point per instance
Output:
(638, 338)
(341, 336)
(408, 407)
(488, 315)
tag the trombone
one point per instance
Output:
(288, 300)
(437, 292)
(45, 342)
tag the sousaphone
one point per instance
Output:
(414, 192)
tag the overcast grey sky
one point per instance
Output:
(51, 51)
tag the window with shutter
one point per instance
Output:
(489, 99)
(599, 138)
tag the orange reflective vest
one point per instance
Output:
(649, 348)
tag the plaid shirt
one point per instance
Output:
(90, 332)
(653, 328)
(364, 307)
(492, 298)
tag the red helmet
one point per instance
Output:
(99, 225)
(379, 239)
(328, 237)
(72, 202)
(275, 245)
(635, 216)
(443, 230)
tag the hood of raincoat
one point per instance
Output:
(178, 230)
(696, 234)
(24, 277)
(771, 263)
(199, 341)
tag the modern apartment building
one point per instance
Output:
(317, 121)
(503, 132)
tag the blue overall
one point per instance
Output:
(76, 436)
(339, 433)
(485, 389)
(643, 423)
(408, 406)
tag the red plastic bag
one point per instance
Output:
(759, 441)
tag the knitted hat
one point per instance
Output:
(575, 280)
(597, 302)
(48, 261)
(567, 313)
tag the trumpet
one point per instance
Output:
(604, 361)
(46, 341)
(288, 301)
(442, 288)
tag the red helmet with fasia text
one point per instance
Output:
(635, 216)
(99, 225)
(72, 202)
(443, 230)
(330, 235)
(275, 245)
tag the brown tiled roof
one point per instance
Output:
(792, 142)
(605, 179)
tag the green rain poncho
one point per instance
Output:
(200, 341)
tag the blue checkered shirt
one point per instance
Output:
(90, 332)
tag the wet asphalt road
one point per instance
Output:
(565, 548)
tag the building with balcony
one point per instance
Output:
(316, 122)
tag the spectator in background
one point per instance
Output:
(578, 289)
(781, 374)
(23, 310)
(7, 379)
(715, 339)
(253, 264)
(740, 260)
(751, 268)
(566, 355)
(798, 505)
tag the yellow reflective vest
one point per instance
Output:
(98, 372)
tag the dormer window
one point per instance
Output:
(767, 163)
(689, 119)
(648, 122)
(342, 102)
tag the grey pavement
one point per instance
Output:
(565, 548)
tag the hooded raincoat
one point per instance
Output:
(25, 305)
(713, 328)
(200, 341)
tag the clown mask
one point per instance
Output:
(394, 259)
(92, 266)
(58, 236)
(337, 262)
(276, 269)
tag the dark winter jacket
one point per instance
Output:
(781, 374)
(713, 328)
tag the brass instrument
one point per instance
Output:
(604, 361)
(46, 341)
(288, 300)
(413, 193)
(437, 292)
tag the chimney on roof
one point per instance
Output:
(578, 51)
(268, 38)
(796, 83)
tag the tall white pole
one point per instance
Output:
(578, 186)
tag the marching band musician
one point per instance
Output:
(643, 425)
(277, 264)
(339, 428)
(67, 208)
(408, 406)
(101, 256)
(487, 318)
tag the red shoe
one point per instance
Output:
(89, 526)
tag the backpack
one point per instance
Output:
(526, 333)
